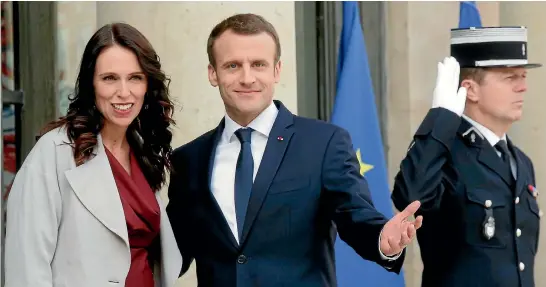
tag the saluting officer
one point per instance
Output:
(477, 189)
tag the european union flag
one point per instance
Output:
(355, 111)
(469, 15)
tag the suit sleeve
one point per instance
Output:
(423, 174)
(347, 196)
(176, 207)
(33, 217)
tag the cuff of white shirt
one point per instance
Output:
(385, 257)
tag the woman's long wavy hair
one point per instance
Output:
(149, 135)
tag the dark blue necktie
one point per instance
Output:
(243, 177)
(502, 147)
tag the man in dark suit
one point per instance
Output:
(257, 200)
(476, 187)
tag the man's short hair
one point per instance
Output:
(476, 74)
(243, 24)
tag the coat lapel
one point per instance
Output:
(487, 154)
(171, 260)
(209, 152)
(277, 143)
(490, 158)
(94, 185)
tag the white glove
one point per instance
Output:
(445, 93)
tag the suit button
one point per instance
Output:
(241, 259)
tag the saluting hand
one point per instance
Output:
(447, 93)
(399, 231)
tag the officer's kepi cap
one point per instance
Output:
(491, 47)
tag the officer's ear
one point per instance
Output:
(472, 89)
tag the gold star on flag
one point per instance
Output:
(363, 166)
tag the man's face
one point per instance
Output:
(500, 94)
(245, 73)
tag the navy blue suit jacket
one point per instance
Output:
(307, 185)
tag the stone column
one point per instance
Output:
(530, 133)
(418, 36)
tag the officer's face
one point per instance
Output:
(500, 94)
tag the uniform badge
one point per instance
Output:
(472, 135)
(489, 222)
(489, 228)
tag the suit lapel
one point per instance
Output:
(220, 220)
(94, 185)
(277, 143)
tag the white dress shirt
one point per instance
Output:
(225, 161)
(493, 139)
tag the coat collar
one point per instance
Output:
(487, 154)
(94, 185)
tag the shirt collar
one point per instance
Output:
(491, 137)
(263, 123)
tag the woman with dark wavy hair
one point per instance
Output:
(84, 209)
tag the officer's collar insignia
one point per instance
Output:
(473, 135)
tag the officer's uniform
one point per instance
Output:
(479, 200)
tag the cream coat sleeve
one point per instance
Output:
(33, 218)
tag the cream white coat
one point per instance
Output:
(66, 226)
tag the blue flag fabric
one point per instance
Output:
(469, 15)
(355, 111)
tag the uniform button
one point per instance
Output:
(488, 203)
(521, 266)
(241, 259)
(517, 200)
(518, 232)
(540, 213)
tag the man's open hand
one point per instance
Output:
(399, 231)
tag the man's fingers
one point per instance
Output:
(418, 222)
(461, 93)
(393, 243)
(456, 71)
(410, 210)
(440, 71)
(405, 240)
(411, 231)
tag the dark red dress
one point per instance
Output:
(142, 215)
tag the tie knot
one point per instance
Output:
(502, 146)
(243, 134)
